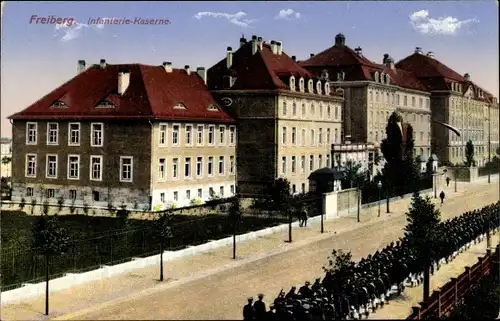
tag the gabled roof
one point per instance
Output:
(357, 67)
(152, 93)
(262, 70)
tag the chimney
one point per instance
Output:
(243, 41)
(389, 62)
(103, 63)
(418, 50)
(279, 44)
(81, 66)
(123, 81)
(202, 72)
(255, 44)
(311, 55)
(430, 54)
(294, 58)
(168, 66)
(274, 47)
(467, 76)
(186, 68)
(340, 40)
(359, 51)
(385, 58)
(229, 57)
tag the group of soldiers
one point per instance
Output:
(357, 290)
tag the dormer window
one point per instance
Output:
(292, 83)
(387, 79)
(212, 108)
(301, 84)
(382, 78)
(318, 87)
(376, 76)
(310, 86)
(105, 104)
(327, 89)
(179, 106)
(59, 104)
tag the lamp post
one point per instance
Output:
(435, 184)
(456, 180)
(379, 186)
(489, 144)
(359, 200)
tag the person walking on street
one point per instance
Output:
(448, 181)
(441, 196)
(260, 309)
(249, 311)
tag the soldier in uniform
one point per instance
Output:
(249, 311)
(260, 308)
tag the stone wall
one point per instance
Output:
(347, 199)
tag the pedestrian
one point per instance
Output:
(448, 181)
(441, 196)
(260, 308)
(249, 311)
(303, 218)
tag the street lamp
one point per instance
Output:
(359, 199)
(489, 144)
(379, 186)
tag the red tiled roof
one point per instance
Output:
(262, 70)
(152, 93)
(357, 67)
(426, 67)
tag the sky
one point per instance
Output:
(38, 57)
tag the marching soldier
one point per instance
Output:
(249, 311)
(441, 196)
(260, 308)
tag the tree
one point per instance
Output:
(235, 211)
(162, 232)
(49, 240)
(469, 154)
(423, 234)
(279, 197)
(351, 173)
(338, 270)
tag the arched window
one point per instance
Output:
(318, 87)
(301, 84)
(292, 83)
(376, 76)
(382, 78)
(327, 89)
(310, 86)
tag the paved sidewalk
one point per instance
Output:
(400, 308)
(95, 293)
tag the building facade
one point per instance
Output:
(458, 101)
(6, 156)
(287, 118)
(372, 92)
(129, 140)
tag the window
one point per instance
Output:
(231, 164)
(187, 167)
(30, 165)
(284, 108)
(413, 103)
(222, 135)
(189, 134)
(301, 84)
(221, 191)
(294, 136)
(310, 86)
(303, 112)
(29, 191)
(294, 109)
(188, 194)
(95, 196)
(52, 133)
(420, 102)
(231, 189)
(210, 166)
(336, 112)
(329, 111)
(96, 134)
(199, 166)
(126, 168)
(428, 103)
(320, 111)
(405, 100)
(232, 135)
(318, 87)
(176, 196)
(376, 97)
(161, 168)
(414, 117)
(313, 137)
(311, 162)
(74, 134)
(386, 98)
(211, 192)
(175, 135)
(50, 193)
(312, 109)
(336, 136)
(283, 165)
(328, 141)
(31, 133)
(72, 194)
(200, 193)
(302, 164)
(283, 135)
(200, 135)
(162, 197)
(292, 83)
(320, 136)
(320, 161)
(371, 96)
(211, 135)
(73, 167)
(328, 160)
(294, 189)
(96, 168)
(294, 165)
(303, 188)
(221, 165)
(175, 168)
(51, 166)
(303, 138)
(397, 99)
